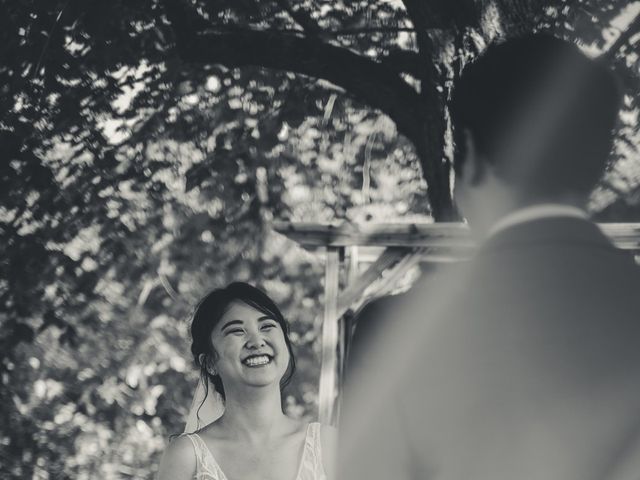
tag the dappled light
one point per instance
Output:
(139, 170)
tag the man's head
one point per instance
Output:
(532, 123)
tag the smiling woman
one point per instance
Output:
(241, 344)
(233, 311)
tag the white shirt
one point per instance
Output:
(536, 212)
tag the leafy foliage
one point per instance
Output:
(137, 175)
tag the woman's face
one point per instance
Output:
(250, 348)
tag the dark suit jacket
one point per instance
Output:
(523, 363)
(370, 322)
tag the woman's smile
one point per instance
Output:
(254, 361)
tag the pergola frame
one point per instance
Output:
(394, 249)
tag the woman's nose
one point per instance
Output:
(255, 340)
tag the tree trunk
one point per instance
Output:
(436, 170)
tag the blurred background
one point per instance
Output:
(147, 147)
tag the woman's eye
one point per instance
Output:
(268, 326)
(235, 331)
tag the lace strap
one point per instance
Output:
(316, 445)
(206, 466)
(197, 446)
(317, 439)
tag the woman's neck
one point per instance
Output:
(254, 415)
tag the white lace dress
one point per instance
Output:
(310, 468)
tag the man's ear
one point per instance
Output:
(474, 167)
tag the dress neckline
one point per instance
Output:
(300, 462)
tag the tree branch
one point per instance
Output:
(320, 33)
(48, 41)
(621, 41)
(367, 80)
(164, 281)
(419, 15)
(405, 61)
(417, 116)
(444, 14)
(184, 28)
(430, 142)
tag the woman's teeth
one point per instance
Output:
(258, 360)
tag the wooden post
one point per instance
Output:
(345, 324)
(330, 334)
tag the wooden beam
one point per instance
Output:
(382, 234)
(354, 291)
(432, 235)
(368, 255)
(624, 235)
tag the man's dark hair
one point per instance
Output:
(540, 111)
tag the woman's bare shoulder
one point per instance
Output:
(178, 461)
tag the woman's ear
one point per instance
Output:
(207, 362)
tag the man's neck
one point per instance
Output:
(536, 212)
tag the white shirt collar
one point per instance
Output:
(536, 212)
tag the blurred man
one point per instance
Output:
(524, 363)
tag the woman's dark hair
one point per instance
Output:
(208, 313)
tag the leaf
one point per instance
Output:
(23, 333)
(51, 319)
